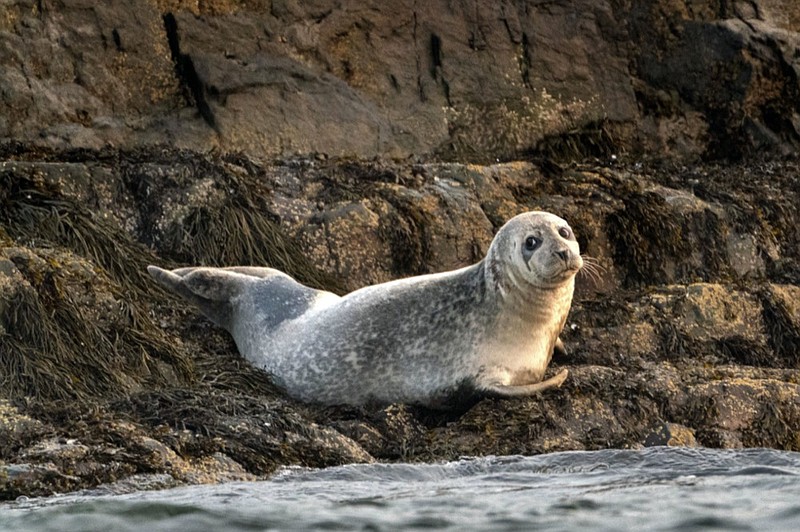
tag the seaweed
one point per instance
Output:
(251, 429)
(674, 344)
(56, 347)
(774, 426)
(408, 236)
(711, 232)
(235, 229)
(82, 357)
(646, 237)
(783, 331)
(701, 413)
(741, 350)
(593, 140)
(36, 212)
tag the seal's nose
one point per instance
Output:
(563, 254)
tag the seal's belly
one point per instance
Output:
(329, 368)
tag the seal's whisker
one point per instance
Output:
(590, 274)
(594, 261)
(592, 268)
(597, 271)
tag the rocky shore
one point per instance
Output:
(690, 335)
(270, 133)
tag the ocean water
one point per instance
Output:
(651, 489)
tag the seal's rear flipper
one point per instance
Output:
(210, 289)
(258, 297)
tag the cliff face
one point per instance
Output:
(167, 133)
(460, 80)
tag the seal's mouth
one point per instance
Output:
(565, 273)
(573, 266)
(567, 270)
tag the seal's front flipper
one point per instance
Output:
(558, 349)
(502, 390)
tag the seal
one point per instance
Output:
(489, 328)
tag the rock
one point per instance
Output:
(133, 483)
(707, 311)
(740, 51)
(146, 132)
(746, 410)
(216, 469)
(671, 434)
(21, 479)
(494, 80)
(368, 437)
(56, 450)
(782, 317)
(16, 429)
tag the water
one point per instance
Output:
(652, 489)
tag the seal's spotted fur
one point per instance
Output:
(490, 327)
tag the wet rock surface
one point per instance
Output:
(689, 335)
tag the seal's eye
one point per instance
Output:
(565, 232)
(531, 243)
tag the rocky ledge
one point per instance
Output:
(689, 336)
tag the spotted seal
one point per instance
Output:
(490, 328)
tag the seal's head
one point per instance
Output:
(533, 249)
